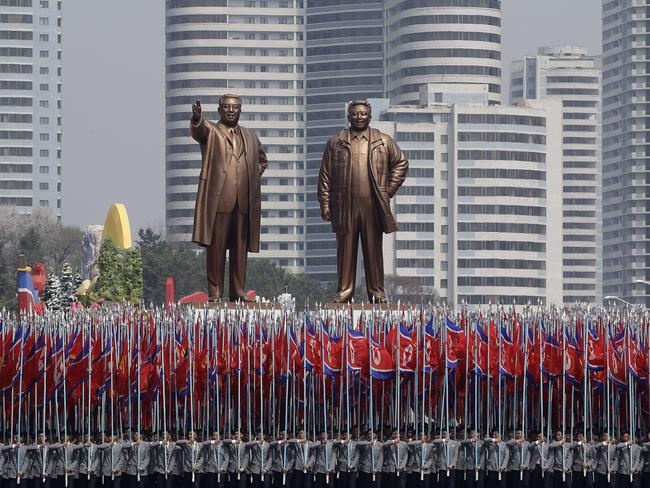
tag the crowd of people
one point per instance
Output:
(349, 460)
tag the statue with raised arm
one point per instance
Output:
(361, 170)
(228, 201)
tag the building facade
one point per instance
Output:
(570, 75)
(477, 215)
(255, 49)
(443, 41)
(30, 105)
(626, 149)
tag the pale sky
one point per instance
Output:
(114, 100)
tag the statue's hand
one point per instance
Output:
(325, 213)
(196, 111)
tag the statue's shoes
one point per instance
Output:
(214, 300)
(340, 299)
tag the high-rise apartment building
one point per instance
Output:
(255, 49)
(344, 61)
(478, 216)
(569, 74)
(30, 105)
(443, 41)
(626, 150)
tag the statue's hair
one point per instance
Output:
(365, 103)
(228, 95)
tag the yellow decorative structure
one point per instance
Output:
(117, 226)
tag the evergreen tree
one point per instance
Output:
(68, 286)
(132, 274)
(110, 284)
(52, 293)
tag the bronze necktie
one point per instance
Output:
(233, 140)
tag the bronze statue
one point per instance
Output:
(361, 171)
(228, 201)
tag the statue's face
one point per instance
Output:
(359, 117)
(229, 111)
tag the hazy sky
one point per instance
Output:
(114, 102)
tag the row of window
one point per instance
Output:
(22, 135)
(445, 19)
(344, 34)
(415, 245)
(421, 172)
(501, 264)
(422, 154)
(346, 16)
(502, 173)
(524, 246)
(445, 53)
(415, 208)
(474, 209)
(411, 4)
(492, 155)
(16, 185)
(16, 201)
(501, 281)
(515, 137)
(501, 191)
(502, 227)
(15, 168)
(502, 119)
(415, 263)
(477, 70)
(15, 85)
(345, 65)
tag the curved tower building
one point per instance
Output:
(444, 41)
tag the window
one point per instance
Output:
(44, 153)
(44, 21)
(44, 136)
(45, 4)
(44, 87)
(44, 37)
(44, 170)
(444, 247)
(44, 203)
(43, 186)
(44, 104)
(44, 70)
(444, 230)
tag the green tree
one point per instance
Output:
(132, 274)
(110, 282)
(161, 259)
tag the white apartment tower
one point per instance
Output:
(255, 49)
(570, 75)
(442, 41)
(30, 105)
(626, 150)
(477, 214)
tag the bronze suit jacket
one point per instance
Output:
(388, 169)
(215, 153)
